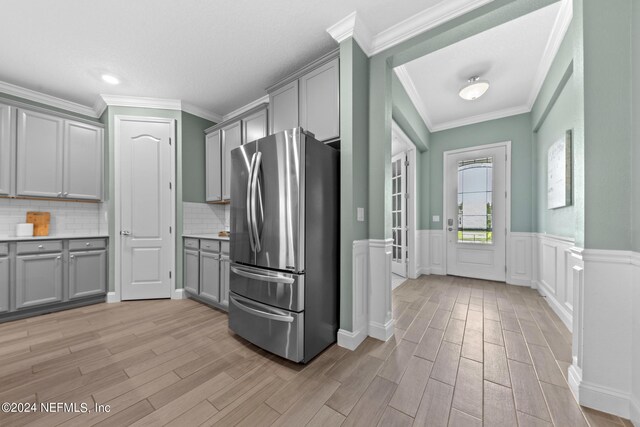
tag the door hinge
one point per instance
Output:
(170, 186)
(169, 141)
(406, 163)
(406, 195)
(169, 275)
(506, 195)
(170, 230)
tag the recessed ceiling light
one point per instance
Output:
(112, 80)
(474, 88)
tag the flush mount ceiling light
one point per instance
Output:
(112, 80)
(474, 88)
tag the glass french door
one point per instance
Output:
(399, 214)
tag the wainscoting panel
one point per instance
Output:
(520, 259)
(436, 248)
(380, 304)
(423, 245)
(359, 310)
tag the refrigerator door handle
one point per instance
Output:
(248, 205)
(238, 302)
(254, 214)
(263, 277)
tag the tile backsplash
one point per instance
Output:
(67, 218)
(204, 218)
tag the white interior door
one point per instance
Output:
(399, 214)
(476, 212)
(146, 211)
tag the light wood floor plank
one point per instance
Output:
(435, 405)
(499, 408)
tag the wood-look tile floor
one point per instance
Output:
(465, 352)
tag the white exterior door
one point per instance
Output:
(399, 214)
(146, 208)
(476, 212)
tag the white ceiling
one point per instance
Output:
(515, 57)
(215, 55)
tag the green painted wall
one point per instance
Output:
(109, 119)
(607, 122)
(561, 117)
(516, 129)
(193, 158)
(354, 167)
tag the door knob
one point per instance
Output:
(125, 233)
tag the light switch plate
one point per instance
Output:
(436, 218)
(360, 214)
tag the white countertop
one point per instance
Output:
(53, 237)
(206, 236)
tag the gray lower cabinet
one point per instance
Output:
(6, 148)
(4, 284)
(206, 271)
(38, 279)
(210, 276)
(87, 273)
(191, 271)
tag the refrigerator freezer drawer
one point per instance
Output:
(282, 290)
(279, 331)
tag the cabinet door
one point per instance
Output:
(224, 281)
(83, 161)
(210, 276)
(283, 108)
(191, 271)
(320, 101)
(213, 167)
(40, 150)
(231, 138)
(254, 126)
(87, 273)
(6, 144)
(4, 284)
(38, 279)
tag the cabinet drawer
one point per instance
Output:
(191, 243)
(4, 249)
(87, 244)
(38, 247)
(224, 248)
(210, 245)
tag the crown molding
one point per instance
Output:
(423, 21)
(414, 96)
(99, 106)
(352, 26)
(493, 115)
(200, 112)
(42, 98)
(245, 108)
(558, 31)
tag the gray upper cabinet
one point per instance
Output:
(87, 273)
(83, 161)
(6, 148)
(320, 101)
(191, 271)
(283, 108)
(38, 280)
(4, 284)
(40, 152)
(254, 126)
(231, 138)
(210, 276)
(213, 157)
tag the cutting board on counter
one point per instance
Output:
(40, 221)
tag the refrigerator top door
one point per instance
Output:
(240, 249)
(278, 201)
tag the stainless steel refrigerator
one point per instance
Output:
(284, 244)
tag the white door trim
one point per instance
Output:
(412, 268)
(446, 154)
(118, 119)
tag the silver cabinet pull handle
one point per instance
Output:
(40, 247)
(88, 244)
(125, 233)
(280, 318)
(72, 256)
(264, 278)
(60, 194)
(65, 194)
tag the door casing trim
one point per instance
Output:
(118, 119)
(445, 157)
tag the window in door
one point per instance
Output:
(397, 210)
(475, 201)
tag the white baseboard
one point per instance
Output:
(605, 399)
(351, 340)
(424, 271)
(381, 332)
(112, 297)
(635, 411)
(575, 378)
(563, 313)
(179, 294)
(520, 282)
